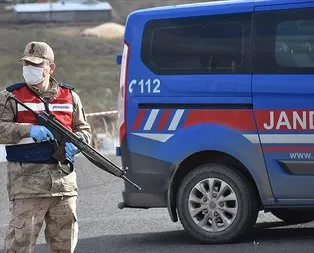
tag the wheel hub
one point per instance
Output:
(213, 204)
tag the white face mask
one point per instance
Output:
(33, 75)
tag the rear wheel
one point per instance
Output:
(216, 204)
(294, 215)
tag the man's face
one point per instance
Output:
(46, 65)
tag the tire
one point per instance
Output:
(219, 227)
(294, 215)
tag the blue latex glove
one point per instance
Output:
(70, 151)
(40, 133)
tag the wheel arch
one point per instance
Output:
(195, 160)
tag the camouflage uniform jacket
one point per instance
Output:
(27, 180)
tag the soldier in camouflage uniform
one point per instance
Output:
(40, 191)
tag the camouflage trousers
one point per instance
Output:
(28, 216)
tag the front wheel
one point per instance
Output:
(216, 204)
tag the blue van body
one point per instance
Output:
(258, 116)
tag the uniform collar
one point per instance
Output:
(49, 94)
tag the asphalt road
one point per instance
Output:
(103, 228)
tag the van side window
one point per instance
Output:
(284, 42)
(295, 44)
(199, 45)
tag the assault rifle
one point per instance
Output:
(62, 135)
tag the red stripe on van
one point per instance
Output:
(139, 119)
(237, 119)
(164, 119)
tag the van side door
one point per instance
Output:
(283, 97)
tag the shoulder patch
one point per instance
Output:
(15, 86)
(67, 86)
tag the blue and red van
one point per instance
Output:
(216, 113)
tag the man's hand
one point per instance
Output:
(70, 151)
(40, 133)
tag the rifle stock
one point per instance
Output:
(62, 135)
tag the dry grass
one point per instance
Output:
(107, 31)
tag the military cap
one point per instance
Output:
(36, 52)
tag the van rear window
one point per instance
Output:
(200, 46)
